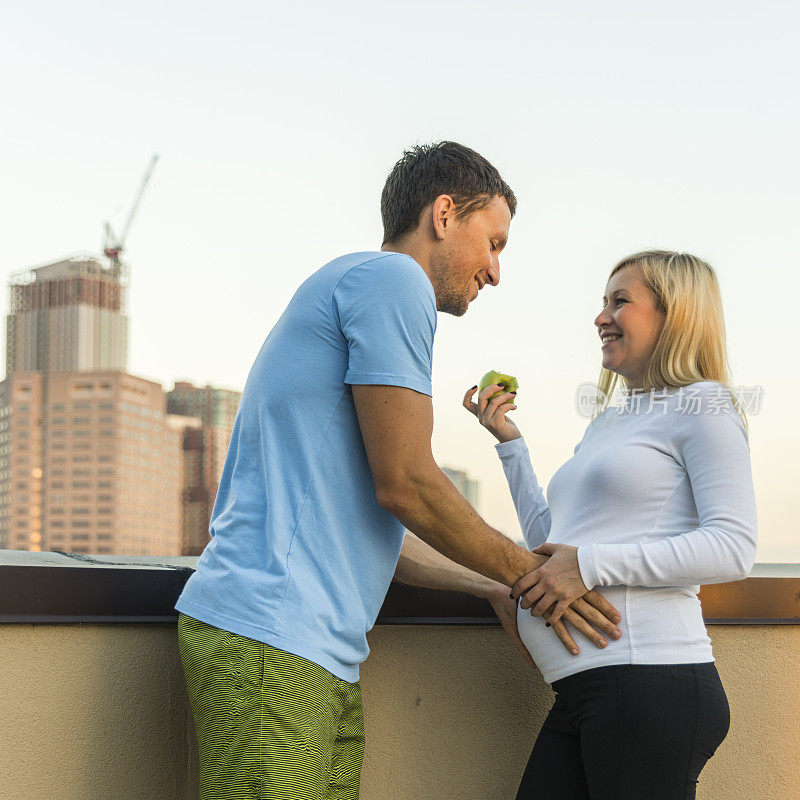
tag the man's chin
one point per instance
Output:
(459, 312)
(453, 309)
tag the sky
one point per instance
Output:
(620, 126)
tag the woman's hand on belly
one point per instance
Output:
(557, 583)
(558, 587)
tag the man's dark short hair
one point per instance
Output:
(429, 170)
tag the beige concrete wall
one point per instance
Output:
(454, 712)
(94, 712)
(100, 712)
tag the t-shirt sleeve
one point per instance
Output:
(709, 440)
(386, 310)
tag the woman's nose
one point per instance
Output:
(604, 317)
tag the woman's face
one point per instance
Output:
(629, 313)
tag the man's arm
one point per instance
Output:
(396, 426)
(420, 565)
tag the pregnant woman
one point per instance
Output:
(656, 500)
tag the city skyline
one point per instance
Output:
(94, 459)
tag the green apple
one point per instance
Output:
(498, 377)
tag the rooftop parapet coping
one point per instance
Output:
(67, 588)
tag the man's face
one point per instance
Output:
(468, 256)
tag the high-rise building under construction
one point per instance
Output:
(90, 459)
(68, 316)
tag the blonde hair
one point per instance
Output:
(691, 346)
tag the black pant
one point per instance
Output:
(628, 732)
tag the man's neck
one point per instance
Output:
(412, 247)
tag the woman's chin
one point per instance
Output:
(609, 366)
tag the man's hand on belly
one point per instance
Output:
(506, 610)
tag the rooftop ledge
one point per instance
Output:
(62, 588)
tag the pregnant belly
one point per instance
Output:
(546, 648)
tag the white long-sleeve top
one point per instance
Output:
(658, 498)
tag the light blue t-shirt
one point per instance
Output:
(301, 554)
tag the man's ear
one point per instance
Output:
(442, 212)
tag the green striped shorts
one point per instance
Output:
(270, 725)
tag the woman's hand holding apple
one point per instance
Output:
(492, 413)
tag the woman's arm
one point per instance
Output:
(712, 447)
(530, 503)
(533, 512)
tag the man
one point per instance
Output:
(330, 458)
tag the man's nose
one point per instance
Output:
(493, 274)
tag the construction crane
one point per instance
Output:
(115, 243)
